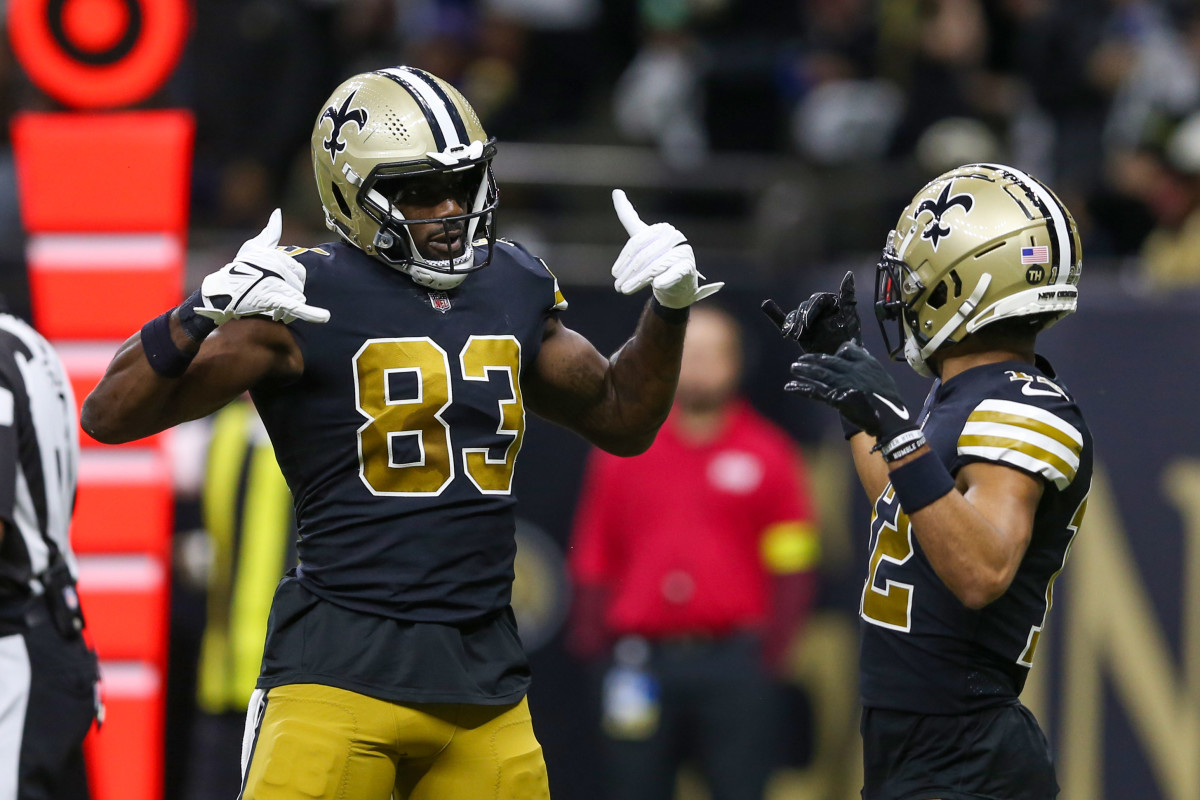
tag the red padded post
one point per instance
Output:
(104, 199)
(120, 172)
(125, 757)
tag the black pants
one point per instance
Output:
(47, 703)
(999, 753)
(716, 709)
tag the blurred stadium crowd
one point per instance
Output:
(847, 104)
(805, 123)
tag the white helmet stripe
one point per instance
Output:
(1064, 242)
(441, 114)
(455, 116)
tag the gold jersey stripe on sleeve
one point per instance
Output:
(788, 547)
(1020, 453)
(560, 302)
(1028, 416)
(1035, 439)
(1001, 418)
(1025, 436)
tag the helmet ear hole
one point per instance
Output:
(341, 201)
(937, 298)
(957, 283)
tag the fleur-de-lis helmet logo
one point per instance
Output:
(335, 144)
(937, 229)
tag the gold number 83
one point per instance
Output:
(494, 359)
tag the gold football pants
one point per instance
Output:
(314, 742)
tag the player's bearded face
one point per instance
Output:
(437, 196)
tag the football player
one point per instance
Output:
(393, 369)
(977, 496)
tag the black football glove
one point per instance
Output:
(858, 386)
(823, 322)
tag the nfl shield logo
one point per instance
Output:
(440, 301)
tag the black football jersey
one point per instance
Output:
(400, 439)
(923, 651)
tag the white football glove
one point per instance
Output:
(260, 281)
(659, 256)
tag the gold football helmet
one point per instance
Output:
(376, 133)
(981, 243)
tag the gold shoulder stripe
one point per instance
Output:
(975, 432)
(1049, 431)
(1032, 451)
(1033, 412)
(560, 300)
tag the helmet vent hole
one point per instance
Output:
(957, 282)
(341, 201)
(937, 298)
(396, 127)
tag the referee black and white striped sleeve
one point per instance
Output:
(9, 454)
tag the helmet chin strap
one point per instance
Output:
(480, 199)
(430, 279)
(912, 354)
(917, 356)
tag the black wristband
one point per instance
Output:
(920, 482)
(161, 351)
(675, 316)
(195, 326)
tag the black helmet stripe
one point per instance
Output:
(1040, 203)
(1062, 243)
(456, 118)
(1072, 255)
(418, 94)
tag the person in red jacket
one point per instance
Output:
(693, 570)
